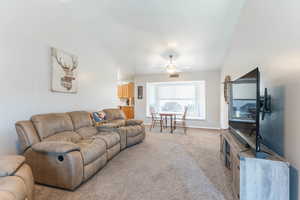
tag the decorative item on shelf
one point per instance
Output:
(140, 92)
(227, 82)
(64, 71)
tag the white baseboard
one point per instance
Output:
(201, 127)
(205, 127)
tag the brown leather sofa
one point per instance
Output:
(16, 181)
(130, 131)
(66, 149)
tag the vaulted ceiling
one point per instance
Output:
(198, 32)
(140, 34)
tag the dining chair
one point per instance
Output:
(154, 118)
(182, 121)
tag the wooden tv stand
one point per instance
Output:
(232, 150)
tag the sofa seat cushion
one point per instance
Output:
(87, 132)
(66, 136)
(10, 164)
(91, 149)
(110, 138)
(134, 130)
(13, 185)
(118, 122)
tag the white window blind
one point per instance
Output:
(172, 97)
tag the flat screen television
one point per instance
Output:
(244, 109)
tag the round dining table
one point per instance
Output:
(164, 119)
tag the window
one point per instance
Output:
(172, 97)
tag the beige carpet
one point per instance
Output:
(163, 167)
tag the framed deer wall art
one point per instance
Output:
(64, 71)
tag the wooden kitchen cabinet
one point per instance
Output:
(129, 111)
(120, 92)
(130, 90)
(126, 91)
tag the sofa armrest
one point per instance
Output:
(27, 134)
(58, 170)
(133, 122)
(56, 147)
(108, 125)
(10, 164)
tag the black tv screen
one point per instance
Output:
(244, 108)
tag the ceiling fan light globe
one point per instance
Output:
(171, 69)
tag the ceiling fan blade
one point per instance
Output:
(184, 67)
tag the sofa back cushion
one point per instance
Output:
(114, 114)
(50, 124)
(81, 119)
(66, 136)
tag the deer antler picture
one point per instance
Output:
(64, 66)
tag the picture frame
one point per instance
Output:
(140, 92)
(64, 71)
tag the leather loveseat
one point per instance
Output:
(66, 149)
(16, 181)
(131, 131)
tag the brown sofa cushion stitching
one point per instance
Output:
(66, 136)
(26, 142)
(55, 147)
(110, 138)
(24, 138)
(106, 144)
(79, 115)
(52, 123)
(87, 132)
(91, 149)
(114, 114)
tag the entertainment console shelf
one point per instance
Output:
(232, 150)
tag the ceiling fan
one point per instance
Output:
(172, 68)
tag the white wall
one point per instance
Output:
(25, 68)
(268, 36)
(212, 79)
